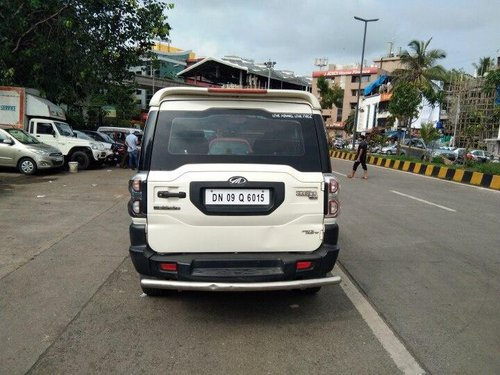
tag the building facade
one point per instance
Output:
(348, 80)
(175, 67)
(160, 72)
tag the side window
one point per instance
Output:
(2, 137)
(44, 128)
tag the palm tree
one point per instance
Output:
(330, 94)
(484, 65)
(421, 68)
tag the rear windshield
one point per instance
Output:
(235, 136)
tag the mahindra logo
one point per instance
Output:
(238, 180)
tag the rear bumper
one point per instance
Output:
(235, 271)
(239, 287)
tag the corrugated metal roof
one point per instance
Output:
(250, 67)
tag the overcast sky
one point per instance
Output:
(295, 32)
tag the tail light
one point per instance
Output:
(303, 265)
(169, 266)
(137, 205)
(332, 189)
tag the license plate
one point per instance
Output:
(237, 196)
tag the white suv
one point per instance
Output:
(234, 193)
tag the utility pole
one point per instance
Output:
(321, 62)
(269, 65)
(359, 83)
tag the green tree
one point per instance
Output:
(484, 65)
(492, 80)
(421, 68)
(349, 123)
(429, 134)
(473, 130)
(329, 94)
(406, 98)
(74, 51)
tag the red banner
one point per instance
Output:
(345, 72)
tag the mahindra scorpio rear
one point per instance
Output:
(234, 193)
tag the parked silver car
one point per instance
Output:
(20, 150)
(480, 156)
(391, 149)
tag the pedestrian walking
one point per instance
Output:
(360, 158)
(131, 141)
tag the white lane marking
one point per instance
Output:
(397, 351)
(423, 201)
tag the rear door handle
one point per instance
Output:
(167, 194)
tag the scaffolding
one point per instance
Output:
(471, 109)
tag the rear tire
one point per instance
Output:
(27, 166)
(82, 158)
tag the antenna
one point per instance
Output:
(321, 62)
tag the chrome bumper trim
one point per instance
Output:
(238, 287)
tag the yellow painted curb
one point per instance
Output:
(428, 170)
(495, 182)
(442, 172)
(476, 178)
(417, 168)
(406, 166)
(396, 164)
(459, 175)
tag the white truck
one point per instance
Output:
(24, 108)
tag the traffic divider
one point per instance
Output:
(441, 172)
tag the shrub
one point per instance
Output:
(488, 168)
(437, 160)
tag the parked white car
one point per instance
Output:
(101, 146)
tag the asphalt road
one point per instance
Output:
(427, 252)
(70, 300)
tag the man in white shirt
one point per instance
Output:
(131, 141)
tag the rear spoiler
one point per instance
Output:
(198, 92)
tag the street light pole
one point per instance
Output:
(269, 65)
(356, 114)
